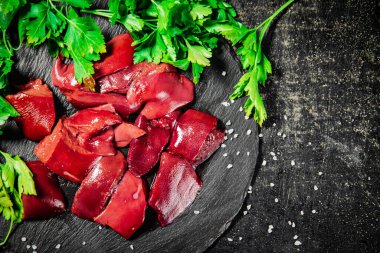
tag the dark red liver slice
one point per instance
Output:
(125, 133)
(175, 187)
(49, 201)
(196, 136)
(97, 187)
(145, 151)
(61, 153)
(35, 104)
(125, 212)
(119, 55)
(102, 144)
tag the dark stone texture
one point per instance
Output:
(326, 82)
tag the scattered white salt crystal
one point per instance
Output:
(272, 153)
(246, 117)
(225, 104)
(228, 123)
(249, 207)
(276, 200)
(302, 212)
(271, 184)
(275, 158)
(315, 188)
(34, 251)
(279, 134)
(248, 153)
(260, 135)
(232, 101)
(236, 135)
(293, 225)
(131, 246)
(223, 145)
(295, 237)
(264, 163)
(240, 238)
(285, 117)
(245, 213)
(225, 154)
(58, 246)
(23, 239)
(297, 243)
(230, 131)
(249, 192)
(238, 153)
(100, 227)
(290, 223)
(320, 173)
(230, 239)
(369, 178)
(83, 243)
(309, 144)
(283, 135)
(313, 211)
(196, 212)
(229, 166)
(292, 163)
(269, 230)
(270, 226)
(34, 246)
(249, 131)
(225, 138)
(224, 73)
(274, 124)
(241, 109)
(28, 246)
(250, 187)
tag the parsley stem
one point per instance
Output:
(9, 230)
(278, 11)
(99, 12)
(6, 42)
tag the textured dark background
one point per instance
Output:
(326, 83)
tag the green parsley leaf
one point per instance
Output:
(84, 4)
(199, 11)
(199, 54)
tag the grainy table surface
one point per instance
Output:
(320, 190)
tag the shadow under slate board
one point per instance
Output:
(218, 202)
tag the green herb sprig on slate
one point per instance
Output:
(184, 33)
(15, 179)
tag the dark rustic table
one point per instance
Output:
(317, 181)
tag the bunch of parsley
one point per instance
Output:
(184, 33)
(15, 179)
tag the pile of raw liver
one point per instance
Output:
(83, 148)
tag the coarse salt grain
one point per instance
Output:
(315, 188)
(196, 212)
(249, 207)
(272, 153)
(58, 246)
(232, 101)
(264, 163)
(248, 153)
(230, 239)
(34, 251)
(260, 135)
(240, 238)
(223, 145)
(250, 187)
(290, 223)
(225, 154)
(276, 200)
(295, 237)
(249, 131)
(279, 134)
(83, 243)
(241, 109)
(274, 124)
(100, 227)
(275, 158)
(309, 144)
(283, 135)
(229, 166)
(245, 213)
(238, 153)
(285, 117)
(270, 226)
(225, 104)
(297, 243)
(302, 212)
(228, 123)
(225, 138)
(249, 192)
(236, 135)
(271, 184)
(246, 117)
(28, 246)
(224, 73)
(131, 246)
(320, 173)
(34, 246)
(230, 131)
(292, 163)
(23, 239)
(293, 225)
(313, 211)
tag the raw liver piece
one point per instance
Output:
(49, 201)
(102, 144)
(35, 104)
(119, 82)
(145, 151)
(61, 153)
(119, 55)
(175, 187)
(85, 99)
(125, 212)
(125, 133)
(196, 136)
(166, 92)
(97, 187)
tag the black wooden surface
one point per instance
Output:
(326, 82)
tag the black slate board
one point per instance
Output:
(219, 201)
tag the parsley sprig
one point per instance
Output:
(15, 179)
